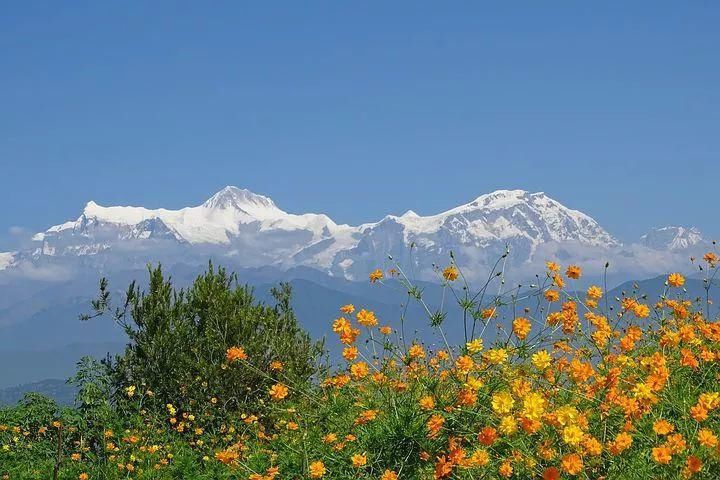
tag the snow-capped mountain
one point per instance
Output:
(6, 259)
(224, 216)
(249, 230)
(477, 232)
(672, 238)
(233, 222)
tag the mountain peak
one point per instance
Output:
(90, 208)
(672, 237)
(502, 198)
(503, 193)
(511, 213)
(242, 199)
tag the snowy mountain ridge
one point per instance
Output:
(672, 238)
(250, 230)
(220, 217)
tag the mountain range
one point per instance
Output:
(247, 230)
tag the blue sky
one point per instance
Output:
(359, 109)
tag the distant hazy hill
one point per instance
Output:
(58, 390)
(32, 365)
(316, 305)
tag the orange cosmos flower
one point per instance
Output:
(227, 456)
(416, 351)
(551, 473)
(622, 442)
(389, 475)
(278, 391)
(707, 438)
(340, 325)
(506, 469)
(641, 310)
(572, 463)
(376, 275)
(594, 292)
(488, 313)
(573, 271)
(427, 402)
(699, 413)
(487, 436)
(317, 469)
(552, 295)
(592, 446)
(676, 443)
(359, 460)
(676, 280)
(434, 424)
(662, 454)
(365, 417)
(467, 397)
(663, 427)
(349, 336)
(693, 464)
(443, 467)
(350, 353)
(235, 353)
(710, 258)
(521, 327)
(359, 370)
(450, 273)
(366, 318)
(464, 364)
(348, 309)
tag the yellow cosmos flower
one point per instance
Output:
(502, 402)
(541, 359)
(475, 346)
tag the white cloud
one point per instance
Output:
(627, 262)
(50, 273)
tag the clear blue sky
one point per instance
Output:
(359, 109)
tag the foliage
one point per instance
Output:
(580, 387)
(179, 340)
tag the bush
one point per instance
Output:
(180, 339)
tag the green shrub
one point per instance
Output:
(178, 339)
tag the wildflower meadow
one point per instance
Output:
(550, 382)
